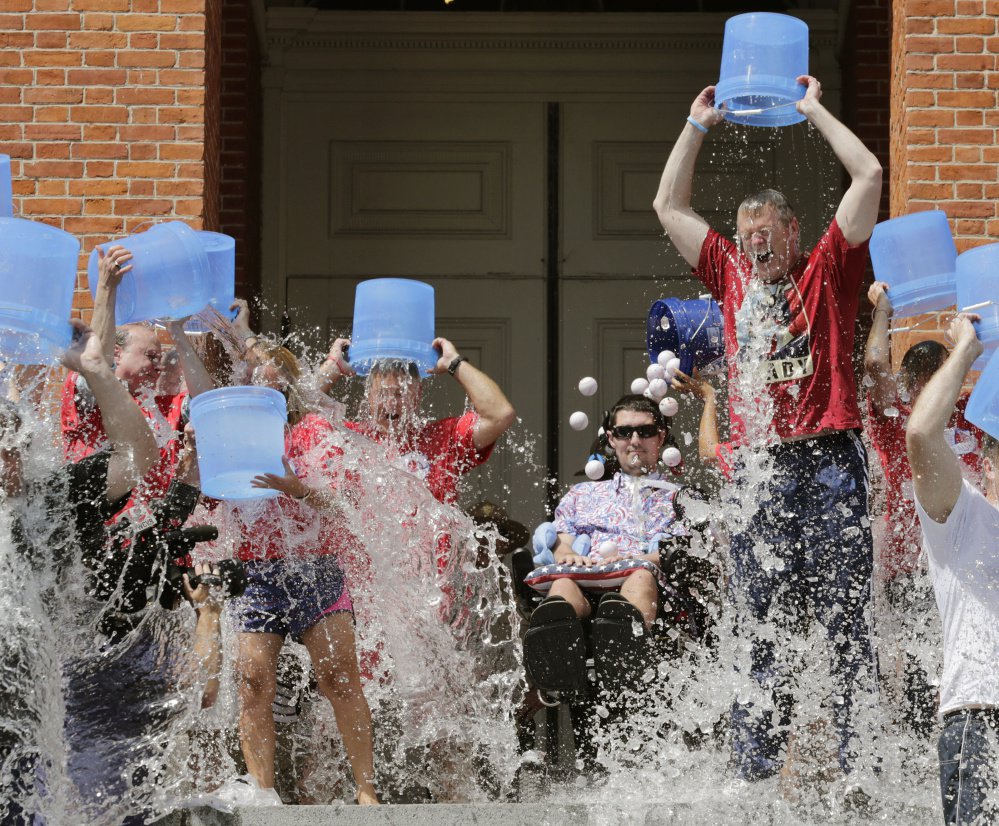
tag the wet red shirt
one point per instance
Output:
(812, 313)
(901, 549)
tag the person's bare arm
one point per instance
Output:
(207, 648)
(707, 432)
(858, 210)
(496, 414)
(335, 366)
(111, 268)
(134, 449)
(936, 470)
(198, 378)
(877, 356)
(685, 228)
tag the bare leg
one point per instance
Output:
(331, 646)
(257, 669)
(641, 591)
(571, 593)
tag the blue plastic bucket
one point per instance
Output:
(692, 328)
(983, 405)
(38, 265)
(978, 283)
(171, 275)
(393, 319)
(6, 188)
(240, 434)
(221, 252)
(763, 54)
(915, 255)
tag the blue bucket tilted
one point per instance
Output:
(170, 278)
(983, 405)
(763, 55)
(393, 320)
(221, 251)
(240, 434)
(38, 265)
(692, 328)
(916, 256)
(978, 292)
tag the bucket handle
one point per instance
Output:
(940, 314)
(745, 113)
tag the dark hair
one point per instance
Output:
(921, 361)
(638, 404)
(382, 366)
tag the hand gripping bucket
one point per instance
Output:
(240, 434)
(763, 54)
(915, 255)
(983, 405)
(171, 276)
(221, 252)
(691, 328)
(393, 320)
(37, 278)
(978, 292)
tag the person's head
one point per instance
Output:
(11, 467)
(767, 231)
(919, 363)
(278, 368)
(394, 393)
(636, 431)
(137, 353)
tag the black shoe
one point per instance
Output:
(554, 647)
(620, 643)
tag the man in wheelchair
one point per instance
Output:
(629, 572)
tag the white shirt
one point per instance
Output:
(963, 556)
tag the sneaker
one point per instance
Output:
(241, 791)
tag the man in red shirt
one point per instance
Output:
(901, 565)
(801, 539)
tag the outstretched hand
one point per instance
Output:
(963, 333)
(694, 385)
(85, 353)
(112, 265)
(448, 354)
(813, 93)
(288, 484)
(877, 294)
(203, 596)
(703, 109)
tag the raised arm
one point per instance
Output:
(877, 356)
(936, 470)
(685, 228)
(197, 377)
(858, 210)
(111, 268)
(134, 450)
(496, 414)
(707, 433)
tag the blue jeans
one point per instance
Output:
(815, 525)
(969, 754)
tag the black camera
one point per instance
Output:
(231, 580)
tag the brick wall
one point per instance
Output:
(102, 110)
(944, 119)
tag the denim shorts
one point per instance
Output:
(289, 596)
(969, 753)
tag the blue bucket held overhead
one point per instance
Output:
(240, 435)
(915, 255)
(171, 276)
(38, 266)
(763, 54)
(6, 188)
(978, 292)
(393, 320)
(983, 405)
(692, 328)
(221, 252)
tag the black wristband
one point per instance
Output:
(452, 368)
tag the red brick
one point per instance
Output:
(98, 22)
(97, 40)
(968, 209)
(967, 172)
(146, 170)
(969, 7)
(50, 188)
(51, 206)
(964, 62)
(967, 154)
(100, 132)
(100, 169)
(51, 57)
(146, 22)
(966, 25)
(931, 117)
(143, 40)
(98, 96)
(16, 40)
(976, 136)
(969, 117)
(100, 114)
(49, 114)
(130, 206)
(929, 8)
(146, 58)
(93, 149)
(11, 22)
(96, 77)
(142, 152)
(53, 95)
(52, 22)
(971, 191)
(933, 192)
(967, 99)
(100, 58)
(182, 42)
(929, 44)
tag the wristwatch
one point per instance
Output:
(452, 368)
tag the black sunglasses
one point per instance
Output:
(644, 431)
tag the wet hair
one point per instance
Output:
(768, 198)
(637, 404)
(921, 361)
(287, 363)
(382, 366)
(123, 333)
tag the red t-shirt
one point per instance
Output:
(288, 527)
(814, 312)
(901, 550)
(439, 453)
